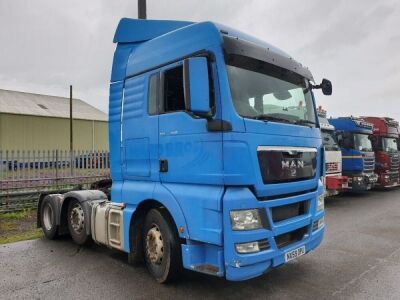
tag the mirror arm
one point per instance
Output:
(316, 87)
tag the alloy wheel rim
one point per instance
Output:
(77, 218)
(154, 245)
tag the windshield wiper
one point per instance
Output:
(272, 118)
(304, 122)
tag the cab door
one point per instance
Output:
(139, 129)
(188, 151)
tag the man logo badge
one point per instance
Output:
(292, 165)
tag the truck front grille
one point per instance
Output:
(286, 164)
(332, 167)
(394, 162)
(394, 177)
(290, 237)
(280, 213)
(369, 164)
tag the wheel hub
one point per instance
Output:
(77, 218)
(154, 245)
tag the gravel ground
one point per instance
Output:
(358, 259)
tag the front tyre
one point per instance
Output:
(161, 246)
(77, 223)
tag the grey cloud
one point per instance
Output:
(46, 45)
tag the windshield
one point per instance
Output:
(389, 144)
(362, 142)
(266, 92)
(329, 140)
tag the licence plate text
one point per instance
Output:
(295, 253)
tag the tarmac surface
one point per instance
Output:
(358, 259)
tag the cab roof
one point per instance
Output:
(351, 124)
(177, 36)
(384, 126)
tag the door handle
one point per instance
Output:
(163, 165)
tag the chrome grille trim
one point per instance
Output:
(394, 162)
(369, 164)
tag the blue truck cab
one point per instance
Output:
(216, 154)
(358, 159)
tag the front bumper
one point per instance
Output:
(388, 180)
(245, 266)
(270, 258)
(368, 181)
(334, 184)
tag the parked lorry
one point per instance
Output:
(398, 147)
(384, 143)
(216, 155)
(358, 161)
(335, 182)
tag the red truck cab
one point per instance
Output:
(384, 143)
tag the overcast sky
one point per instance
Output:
(48, 44)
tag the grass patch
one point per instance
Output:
(7, 226)
(19, 215)
(23, 236)
(19, 226)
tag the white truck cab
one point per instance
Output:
(334, 181)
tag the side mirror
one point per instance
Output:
(196, 85)
(326, 87)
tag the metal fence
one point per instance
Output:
(25, 174)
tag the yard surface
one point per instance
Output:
(18, 226)
(358, 259)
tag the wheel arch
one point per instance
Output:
(83, 197)
(136, 220)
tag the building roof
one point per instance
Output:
(21, 103)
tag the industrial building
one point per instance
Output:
(41, 122)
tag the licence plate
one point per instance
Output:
(295, 253)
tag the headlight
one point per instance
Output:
(252, 247)
(321, 202)
(247, 247)
(358, 179)
(246, 219)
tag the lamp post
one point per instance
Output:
(142, 9)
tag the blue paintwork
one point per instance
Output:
(347, 124)
(352, 161)
(209, 172)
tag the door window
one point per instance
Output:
(174, 98)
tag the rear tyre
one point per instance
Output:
(77, 223)
(162, 253)
(48, 219)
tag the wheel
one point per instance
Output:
(48, 218)
(76, 222)
(161, 246)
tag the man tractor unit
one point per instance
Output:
(216, 155)
(334, 181)
(384, 143)
(358, 160)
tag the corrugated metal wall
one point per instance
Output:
(22, 132)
